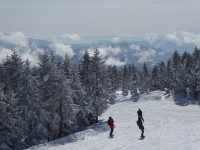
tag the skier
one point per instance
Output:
(139, 122)
(111, 124)
(139, 112)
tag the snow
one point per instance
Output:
(46, 77)
(168, 126)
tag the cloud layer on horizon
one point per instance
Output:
(73, 37)
(179, 38)
(19, 42)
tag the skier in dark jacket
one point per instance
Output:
(111, 124)
(139, 112)
(140, 122)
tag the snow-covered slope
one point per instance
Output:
(167, 127)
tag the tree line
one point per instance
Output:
(57, 97)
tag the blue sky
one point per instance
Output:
(46, 18)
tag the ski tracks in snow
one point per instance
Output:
(167, 126)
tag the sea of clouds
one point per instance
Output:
(61, 46)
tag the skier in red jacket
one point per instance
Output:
(111, 124)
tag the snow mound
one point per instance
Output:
(82, 135)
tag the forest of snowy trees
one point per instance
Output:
(57, 97)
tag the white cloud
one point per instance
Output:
(135, 47)
(26, 51)
(146, 56)
(114, 61)
(179, 38)
(189, 37)
(62, 49)
(33, 59)
(184, 37)
(175, 38)
(104, 51)
(116, 39)
(151, 38)
(90, 52)
(16, 38)
(31, 55)
(161, 53)
(111, 52)
(74, 37)
(4, 52)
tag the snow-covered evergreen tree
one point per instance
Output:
(27, 93)
(85, 74)
(129, 75)
(48, 96)
(162, 76)
(78, 93)
(176, 67)
(100, 85)
(125, 83)
(58, 108)
(134, 81)
(79, 98)
(187, 78)
(196, 71)
(11, 124)
(13, 67)
(113, 77)
(144, 80)
(67, 108)
(154, 82)
(169, 75)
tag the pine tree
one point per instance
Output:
(187, 79)
(13, 67)
(169, 75)
(113, 77)
(99, 79)
(176, 67)
(125, 83)
(79, 98)
(144, 81)
(50, 95)
(29, 103)
(78, 93)
(59, 110)
(154, 85)
(134, 81)
(85, 74)
(196, 71)
(162, 76)
(46, 78)
(10, 121)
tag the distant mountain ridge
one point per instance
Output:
(115, 53)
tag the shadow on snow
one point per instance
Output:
(181, 100)
(90, 131)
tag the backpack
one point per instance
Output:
(108, 122)
(137, 122)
